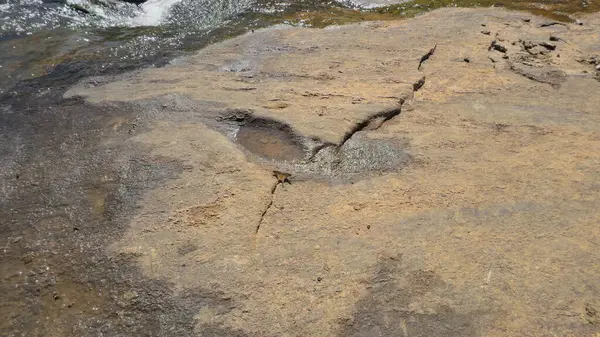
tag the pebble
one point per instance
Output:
(130, 295)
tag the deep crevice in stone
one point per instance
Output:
(384, 115)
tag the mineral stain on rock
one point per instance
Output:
(399, 303)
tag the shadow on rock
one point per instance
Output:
(70, 179)
(406, 302)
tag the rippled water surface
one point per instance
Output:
(67, 39)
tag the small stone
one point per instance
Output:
(498, 47)
(319, 279)
(130, 295)
(485, 32)
(17, 239)
(368, 226)
(598, 67)
(467, 60)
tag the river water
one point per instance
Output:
(100, 36)
(64, 40)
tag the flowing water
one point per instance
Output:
(64, 40)
(87, 37)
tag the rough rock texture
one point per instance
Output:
(375, 3)
(486, 224)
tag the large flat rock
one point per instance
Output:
(491, 228)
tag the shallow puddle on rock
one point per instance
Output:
(270, 140)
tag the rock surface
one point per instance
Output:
(469, 207)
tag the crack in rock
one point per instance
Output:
(319, 148)
(426, 57)
(262, 216)
(383, 117)
(419, 84)
(267, 208)
(282, 178)
(372, 122)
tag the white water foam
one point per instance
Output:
(153, 12)
(121, 14)
(20, 17)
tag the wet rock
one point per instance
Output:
(130, 295)
(440, 173)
